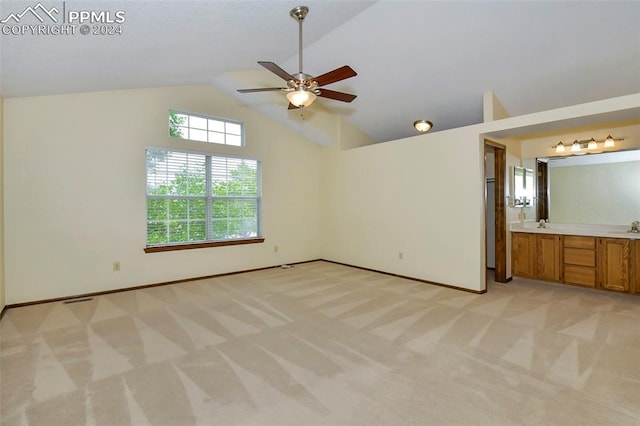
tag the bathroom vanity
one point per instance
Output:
(601, 257)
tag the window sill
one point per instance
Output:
(189, 246)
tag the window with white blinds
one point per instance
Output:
(199, 197)
(205, 129)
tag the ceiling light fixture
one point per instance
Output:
(422, 126)
(301, 97)
(560, 147)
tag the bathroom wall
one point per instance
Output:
(543, 144)
(607, 194)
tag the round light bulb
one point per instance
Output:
(301, 97)
(609, 142)
(422, 126)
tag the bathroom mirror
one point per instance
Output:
(592, 189)
(522, 184)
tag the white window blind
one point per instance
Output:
(205, 129)
(199, 197)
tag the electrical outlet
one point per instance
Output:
(116, 266)
(275, 249)
(400, 255)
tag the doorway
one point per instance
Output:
(495, 211)
(542, 208)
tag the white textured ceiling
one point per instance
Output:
(415, 59)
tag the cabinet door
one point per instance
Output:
(548, 257)
(523, 255)
(635, 266)
(613, 266)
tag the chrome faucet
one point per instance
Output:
(634, 226)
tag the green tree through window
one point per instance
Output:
(195, 197)
(203, 128)
(175, 122)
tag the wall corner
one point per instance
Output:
(492, 108)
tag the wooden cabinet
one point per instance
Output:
(548, 257)
(579, 264)
(613, 267)
(536, 256)
(523, 254)
(603, 263)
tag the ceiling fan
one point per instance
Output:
(302, 88)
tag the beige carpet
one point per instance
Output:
(325, 344)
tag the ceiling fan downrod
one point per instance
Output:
(299, 13)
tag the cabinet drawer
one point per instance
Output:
(582, 257)
(579, 242)
(580, 275)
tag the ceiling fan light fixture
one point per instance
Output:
(422, 126)
(302, 88)
(301, 97)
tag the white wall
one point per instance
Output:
(75, 191)
(2, 286)
(422, 196)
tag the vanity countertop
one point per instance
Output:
(605, 231)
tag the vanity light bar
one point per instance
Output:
(592, 143)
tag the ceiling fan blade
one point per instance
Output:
(292, 106)
(338, 96)
(335, 75)
(276, 70)
(263, 89)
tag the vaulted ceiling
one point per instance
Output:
(415, 59)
